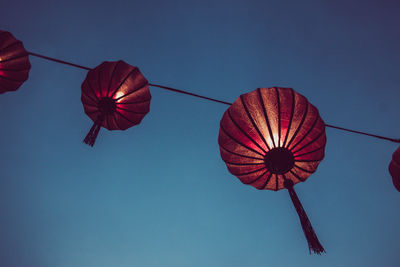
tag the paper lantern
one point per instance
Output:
(14, 63)
(116, 96)
(273, 138)
(394, 169)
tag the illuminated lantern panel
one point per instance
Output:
(394, 169)
(270, 135)
(14, 63)
(273, 138)
(116, 96)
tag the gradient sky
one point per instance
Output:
(158, 194)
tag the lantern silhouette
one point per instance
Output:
(273, 138)
(394, 169)
(116, 96)
(14, 63)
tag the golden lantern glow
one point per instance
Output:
(273, 138)
(394, 169)
(14, 63)
(116, 96)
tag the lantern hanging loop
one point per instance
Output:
(394, 140)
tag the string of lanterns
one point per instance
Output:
(270, 138)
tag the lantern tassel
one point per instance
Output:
(90, 138)
(312, 239)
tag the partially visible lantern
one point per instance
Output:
(273, 138)
(394, 169)
(14, 63)
(116, 96)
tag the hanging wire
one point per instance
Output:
(209, 98)
(59, 61)
(368, 134)
(189, 93)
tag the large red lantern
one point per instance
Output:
(116, 96)
(273, 138)
(14, 63)
(394, 169)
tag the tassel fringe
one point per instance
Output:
(313, 243)
(90, 138)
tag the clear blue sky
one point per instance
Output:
(159, 194)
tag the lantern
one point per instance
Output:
(116, 96)
(14, 63)
(273, 138)
(394, 169)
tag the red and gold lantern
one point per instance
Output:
(394, 169)
(273, 138)
(116, 96)
(14, 63)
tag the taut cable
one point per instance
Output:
(209, 98)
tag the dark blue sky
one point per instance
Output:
(159, 194)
